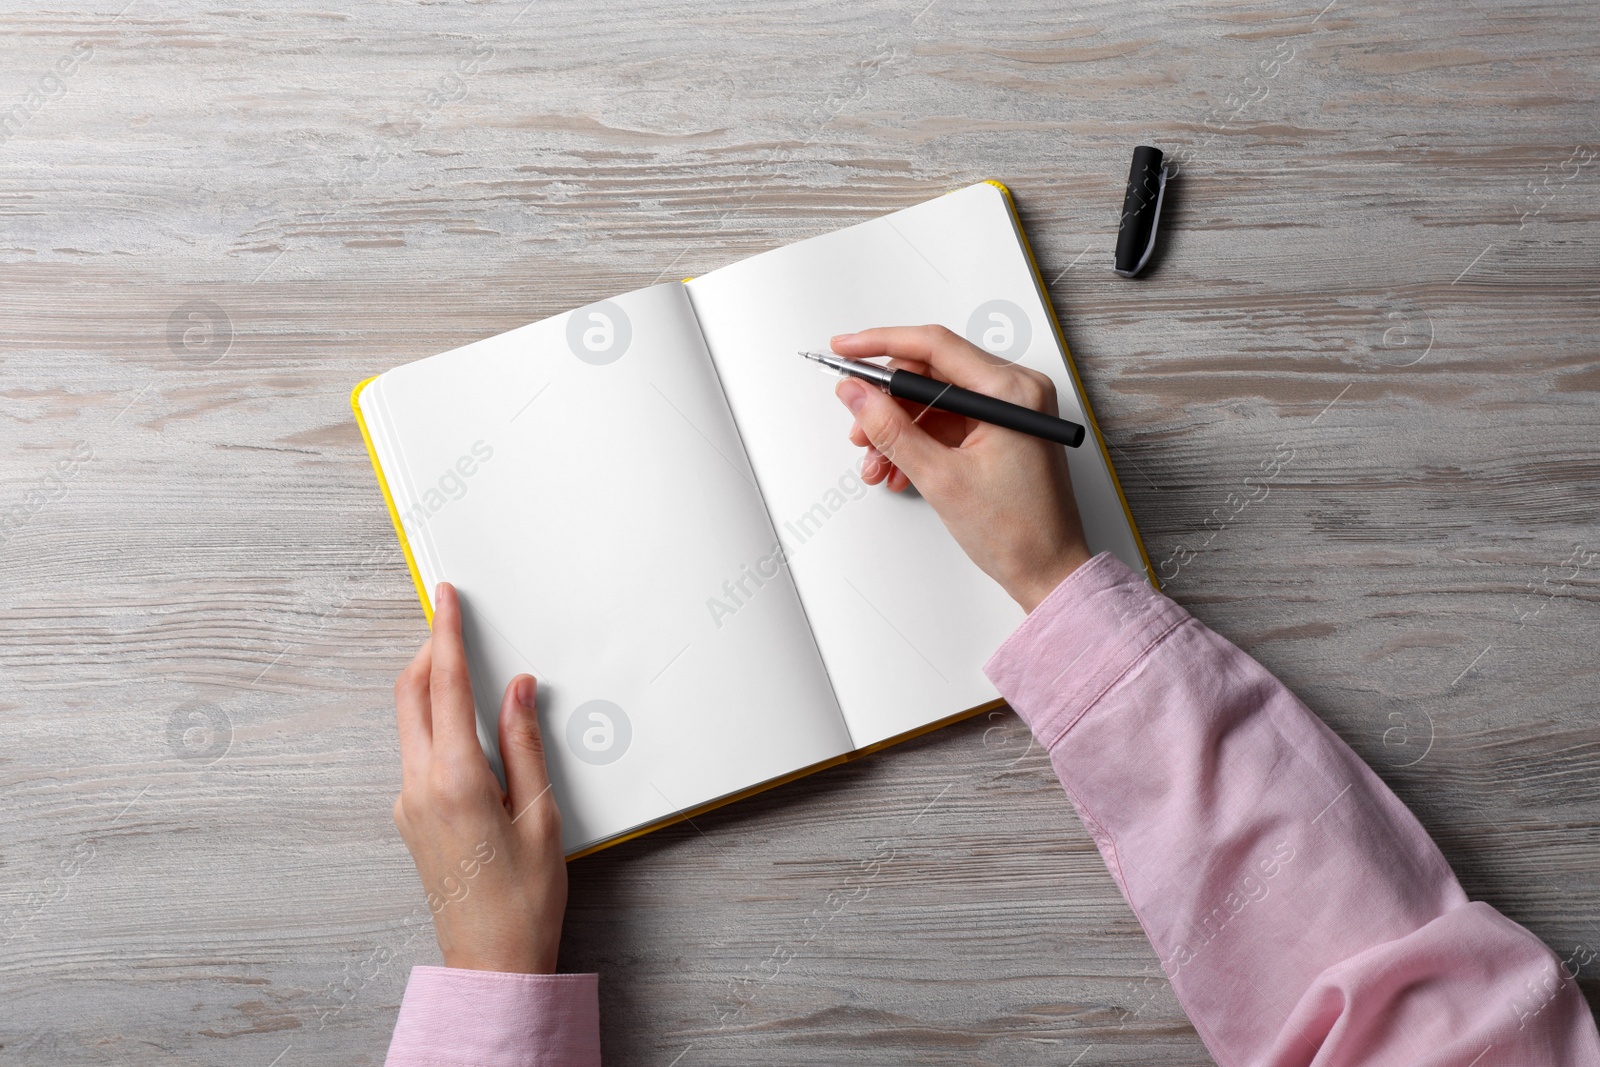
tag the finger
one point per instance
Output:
(412, 713)
(894, 432)
(915, 366)
(455, 730)
(897, 480)
(945, 426)
(949, 357)
(873, 466)
(522, 748)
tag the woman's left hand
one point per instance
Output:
(490, 860)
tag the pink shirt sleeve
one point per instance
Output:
(455, 1018)
(1302, 913)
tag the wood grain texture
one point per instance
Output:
(1380, 260)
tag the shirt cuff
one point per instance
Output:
(1089, 632)
(455, 1017)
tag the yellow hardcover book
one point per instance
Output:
(650, 504)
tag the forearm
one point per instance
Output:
(1295, 903)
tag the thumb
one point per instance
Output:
(522, 749)
(894, 433)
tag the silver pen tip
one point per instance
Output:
(824, 364)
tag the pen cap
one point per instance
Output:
(1141, 211)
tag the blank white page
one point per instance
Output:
(589, 505)
(903, 619)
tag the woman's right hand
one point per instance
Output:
(1006, 497)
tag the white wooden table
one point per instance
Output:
(1380, 263)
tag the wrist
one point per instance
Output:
(1031, 590)
(500, 963)
(501, 948)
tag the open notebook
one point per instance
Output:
(650, 504)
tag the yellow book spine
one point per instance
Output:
(388, 499)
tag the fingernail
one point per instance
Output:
(836, 338)
(525, 691)
(853, 393)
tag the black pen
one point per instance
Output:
(958, 401)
